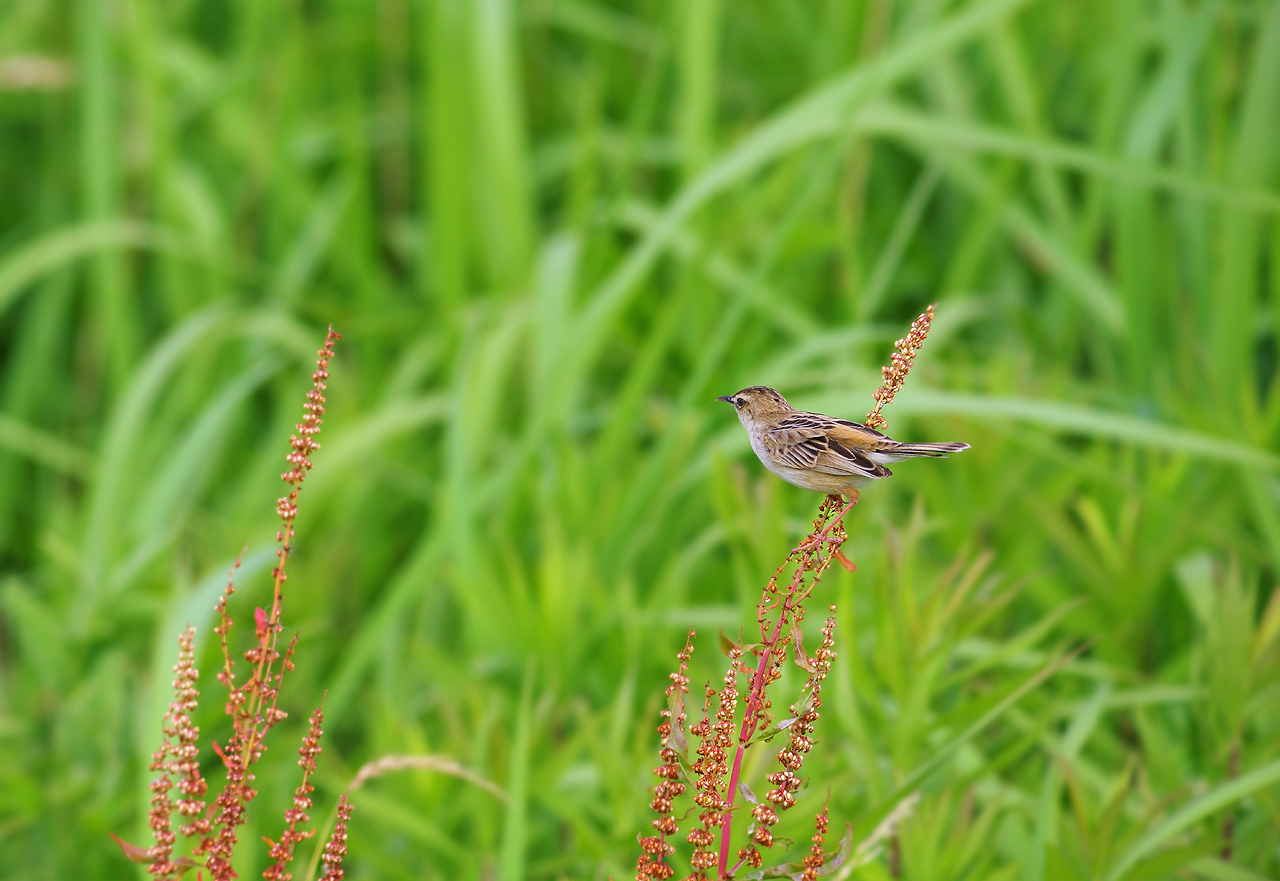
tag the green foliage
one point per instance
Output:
(550, 233)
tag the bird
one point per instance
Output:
(821, 453)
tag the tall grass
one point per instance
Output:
(551, 232)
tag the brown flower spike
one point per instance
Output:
(254, 705)
(254, 709)
(895, 374)
(282, 851)
(335, 849)
(720, 751)
(654, 849)
(179, 760)
(740, 715)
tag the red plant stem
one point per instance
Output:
(264, 665)
(755, 698)
(750, 721)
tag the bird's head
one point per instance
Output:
(757, 404)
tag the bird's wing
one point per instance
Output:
(857, 436)
(808, 440)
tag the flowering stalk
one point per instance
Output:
(254, 705)
(282, 851)
(335, 849)
(254, 709)
(895, 373)
(779, 614)
(180, 760)
(828, 534)
(817, 857)
(303, 444)
(711, 767)
(654, 849)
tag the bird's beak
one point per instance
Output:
(728, 399)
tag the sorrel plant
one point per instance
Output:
(212, 830)
(714, 777)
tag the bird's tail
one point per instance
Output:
(942, 449)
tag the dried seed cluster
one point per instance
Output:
(282, 851)
(655, 848)
(178, 757)
(817, 857)
(714, 774)
(895, 374)
(254, 709)
(335, 849)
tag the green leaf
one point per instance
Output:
(1197, 809)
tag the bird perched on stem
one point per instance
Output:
(817, 452)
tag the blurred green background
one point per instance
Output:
(550, 233)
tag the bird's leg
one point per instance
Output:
(836, 542)
(853, 500)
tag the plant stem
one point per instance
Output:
(750, 721)
(273, 622)
(755, 697)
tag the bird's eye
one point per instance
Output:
(738, 402)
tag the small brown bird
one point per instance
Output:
(818, 452)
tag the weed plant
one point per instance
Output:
(716, 781)
(212, 831)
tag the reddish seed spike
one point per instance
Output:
(895, 373)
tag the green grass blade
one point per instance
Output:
(1221, 796)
